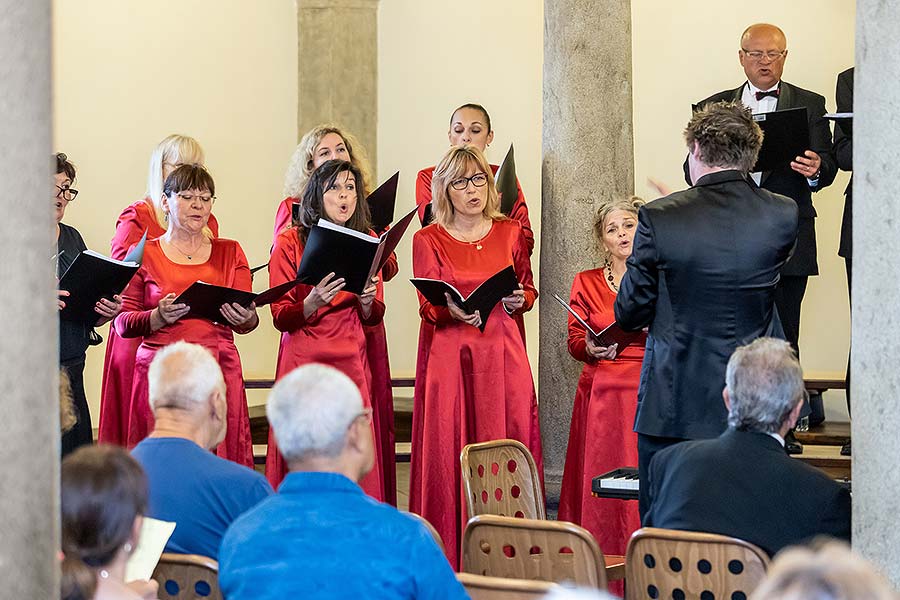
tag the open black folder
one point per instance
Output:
(353, 255)
(483, 298)
(92, 276)
(785, 136)
(205, 299)
(381, 203)
(612, 334)
(506, 182)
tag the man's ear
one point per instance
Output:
(726, 397)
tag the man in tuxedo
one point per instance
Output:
(742, 484)
(762, 54)
(702, 276)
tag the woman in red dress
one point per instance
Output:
(470, 386)
(322, 323)
(601, 437)
(144, 215)
(321, 144)
(184, 254)
(471, 124)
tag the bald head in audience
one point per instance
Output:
(187, 395)
(320, 424)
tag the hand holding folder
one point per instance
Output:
(204, 300)
(608, 337)
(482, 300)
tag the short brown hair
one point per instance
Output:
(189, 177)
(726, 135)
(312, 205)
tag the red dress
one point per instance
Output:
(118, 366)
(158, 276)
(333, 335)
(470, 386)
(379, 366)
(601, 437)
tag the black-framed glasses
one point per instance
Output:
(478, 180)
(758, 55)
(67, 194)
(191, 197)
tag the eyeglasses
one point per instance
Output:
(478, 180)
(191, 198)
(67, 194)
(758, 55)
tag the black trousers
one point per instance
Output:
(848, 264)
(788, 297)
(648, 446)
(82, 433)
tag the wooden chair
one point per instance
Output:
(532, 549)
(185, 576)
(430, 528)
(480, 587)
(663, 563)
(501, 479)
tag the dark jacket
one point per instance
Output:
(744, 485)
(702, 275)
(843, 153)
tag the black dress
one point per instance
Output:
(74, 338)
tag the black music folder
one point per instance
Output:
(381, 203)
(506, 182)
(353, 255)
(483, 298)
(785, 137)
(92, 276)
(612, 334)
(205, 299)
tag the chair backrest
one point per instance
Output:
(481, 587)
(502, 479)
(532, 549)
(430, 528)
(187, 576)
(664, 563)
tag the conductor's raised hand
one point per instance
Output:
(238, 316)
(598, 352)
(514, 301)
(808, 164)
(324, 292)
(169, 311)
(460, 315)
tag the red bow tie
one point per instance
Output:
(774, 93)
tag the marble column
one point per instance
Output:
(588, 157)
(29, 429)
(338, 68)
(876, 287)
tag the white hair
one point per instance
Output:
(310, 410)
(764, 382)
(184, 375)
(568, 593)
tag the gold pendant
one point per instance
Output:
(478, 246)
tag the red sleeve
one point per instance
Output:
(128, 233)
(213, 225)
(242, 279)
(519, 212)
(423, 191)
(522, 265)
(376, 315)
(287, 311)
(425, 264)
(577, 300)
(283, 216)
(134, 320)
(390, 268)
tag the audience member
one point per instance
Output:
(190, 485)
(321, 536)
(103, 497)
(743, 484)
(829, 572)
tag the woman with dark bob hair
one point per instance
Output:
(187, 253)
(322, 323)
(103, 499)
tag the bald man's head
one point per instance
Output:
(762, 54)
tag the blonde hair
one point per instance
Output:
(173, 149)
(452, 166)
(631, 205)
(301, 166)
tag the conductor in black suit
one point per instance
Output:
(762, 55)
(702, 276)
(743, 484)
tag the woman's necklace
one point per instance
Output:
(188, 255)
(478, 238)
(610, 278)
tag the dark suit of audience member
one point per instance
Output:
(797, 180)
(743, 484)
(702, 276)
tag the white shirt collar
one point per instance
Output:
(754, 89)
(777, 437)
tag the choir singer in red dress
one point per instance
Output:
(173, 262)
(144, 215)
(601, 437)
(322, 323)
(471, 386)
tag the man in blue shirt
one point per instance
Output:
(321, 536)
(202, 493)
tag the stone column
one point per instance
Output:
(876, 288)
(588, 157)
(29, 429)
(338, 68)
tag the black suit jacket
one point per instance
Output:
(742, 484)
(786, 181)
(702, 275)
(843, 153)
